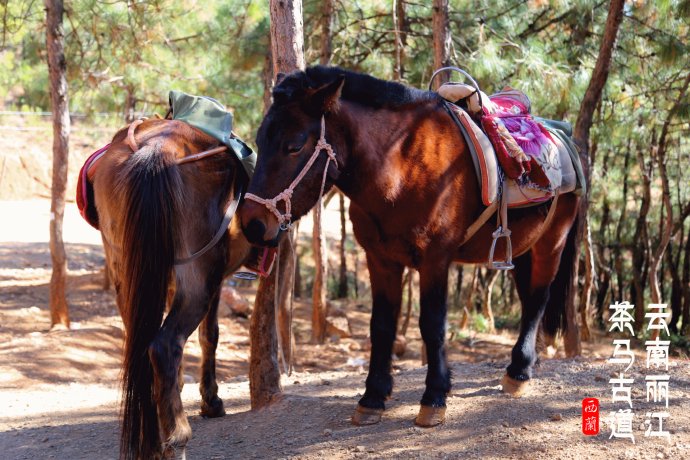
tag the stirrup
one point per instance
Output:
(506, 264)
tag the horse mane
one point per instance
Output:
(360, 88)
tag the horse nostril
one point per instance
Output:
(254, 231)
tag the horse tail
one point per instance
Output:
(148, 183)
(555, 314)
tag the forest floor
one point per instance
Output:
(59, 393)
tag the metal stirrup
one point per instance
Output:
(506, 264)
(502, 231)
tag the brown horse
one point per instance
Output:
(154, 212)
(404, 165)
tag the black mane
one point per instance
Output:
(359, 88)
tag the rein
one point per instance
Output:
(284, 219)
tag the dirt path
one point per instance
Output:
(59, 393)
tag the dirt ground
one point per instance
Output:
(59, 390)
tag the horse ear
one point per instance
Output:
(327, 98)
(280, 77)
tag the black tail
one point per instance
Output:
(554, 320)
(148, 185)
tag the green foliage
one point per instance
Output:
(123, 57)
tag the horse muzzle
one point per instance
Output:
(259, 226)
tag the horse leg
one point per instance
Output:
(386, 291)
(211, 404)
(189, 307)
(534, 276)
(432, 323)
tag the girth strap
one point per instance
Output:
(224, 224)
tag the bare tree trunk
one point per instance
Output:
(487, 311)
(286, 266)
(469, 300)
(57, 67)
(659, 154)
(458, 286)
(399, 27)
(586, 295)
(267, 76)
(297, 286)
(264, 373)
(264, 376)
(686, 288)
(640, 249)
(589, 103)
(342, 283)
(676, 286)
(320, 288)
(326, 33)
(442, 38)
(618, 261)
(407, 282)
(318, 241)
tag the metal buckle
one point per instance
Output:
(506, 264)
(251, 276)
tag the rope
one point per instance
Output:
(131, 142)
(284, 219)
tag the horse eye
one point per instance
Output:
(295, 148)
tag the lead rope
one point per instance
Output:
(285, 224)
(287, 365)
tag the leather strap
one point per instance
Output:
(224, 224)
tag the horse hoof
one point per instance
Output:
(172, 453)
(514, 388)
(430, 416)
(214, 409)
(366, 416)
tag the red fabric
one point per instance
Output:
(513, 167)
(87, 209)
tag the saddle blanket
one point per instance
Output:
(563, 173)
(535, 156)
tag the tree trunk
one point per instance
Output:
(318, 241)
(342, 283)
(586, 295)
(487, 310)
(287, 39)
(297, 286)
(659, 154)
(441, 37)
(676, 287)
(264, 373)
(267, 77)
(326, 33)
(320, 287)
(264, 376)
(686, 288)
(589, 103)
(399, 28)
(458, 286)
(57, 67)
(618, 261)
(469, 300)
(640, 249)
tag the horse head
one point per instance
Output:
(296, 161)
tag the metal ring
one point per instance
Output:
(467, 75)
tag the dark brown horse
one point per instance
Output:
(153, 213)
(414, 193)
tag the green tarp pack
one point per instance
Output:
(210, 116)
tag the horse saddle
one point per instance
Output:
(530, 157)
(201, 112)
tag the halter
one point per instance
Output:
(284, 219)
